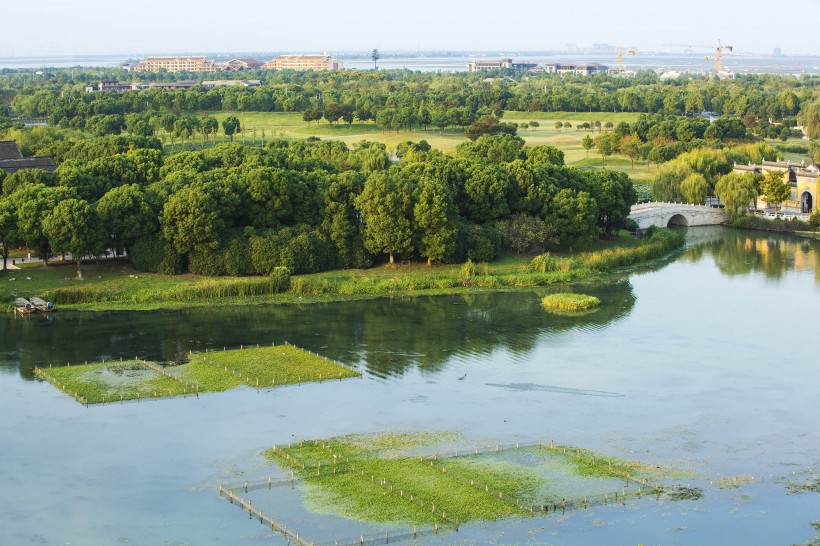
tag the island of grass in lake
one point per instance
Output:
(205, 372)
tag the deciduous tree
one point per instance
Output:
(191, 221)
(776, 188)
(33, 203)
(435, 215)
(8, 229)
(386, 206)
(73, 226)
(573, 217)
(231, 126)
(587, 143)
(605, 146)
(125, 216)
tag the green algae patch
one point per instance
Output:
(400, 478)
(795, 488)
(362, 485)
(268, 366)
(205, 372)
(681, 493)
(114, 382)
(565, 301)
(734, 482)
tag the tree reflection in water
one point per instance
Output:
(388, 335)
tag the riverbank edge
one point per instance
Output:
(522, 280)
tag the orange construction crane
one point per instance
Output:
(621, 53)
(718, 56)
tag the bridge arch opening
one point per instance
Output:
(806, 202)
(678, 220)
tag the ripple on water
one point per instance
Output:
(535, 387)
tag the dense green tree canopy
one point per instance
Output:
(386, 208)
(435, 215)
(311, 205)
(126, 216)
(74, 227)
(191, 220)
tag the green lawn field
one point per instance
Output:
(263, 126)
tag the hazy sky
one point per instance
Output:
(59, 27)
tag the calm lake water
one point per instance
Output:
(709, 362)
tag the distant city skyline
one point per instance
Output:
(86, 27)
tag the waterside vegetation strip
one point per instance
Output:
(213, 371)
(117, 289)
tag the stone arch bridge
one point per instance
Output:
(676, 214)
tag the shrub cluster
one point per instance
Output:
(570, 302)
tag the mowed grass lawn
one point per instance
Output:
(291, 125)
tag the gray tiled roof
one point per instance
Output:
(13, 165)
(9, 150)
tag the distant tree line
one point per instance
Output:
(363, 95)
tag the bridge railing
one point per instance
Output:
(648, 205)
(782, 215)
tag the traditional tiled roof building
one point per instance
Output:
(9, 150)
(12, 160)
(237, 65)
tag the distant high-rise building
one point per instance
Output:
(777, 52)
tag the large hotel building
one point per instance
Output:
(200, 63)
(193, 63)
(304, 62)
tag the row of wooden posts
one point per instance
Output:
(382, 483)
(85, 402)
(247, 379)
(162, 371)
(518, 503)
(247, 506)
(40, 372)
(564, 450)
(291, 536)
(545, 507)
